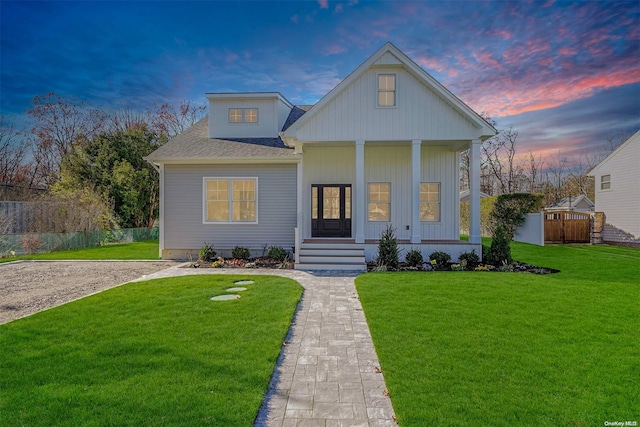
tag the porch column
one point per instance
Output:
(161, 218)
(360, 192)
(298, 232)
(416, 234)
(474, 192)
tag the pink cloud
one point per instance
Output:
(339, 7)
(333, 49)
(506, 98)
(324, 4)
(231, 57)
(295, 19)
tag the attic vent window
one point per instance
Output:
(386, 90)
(243, 115)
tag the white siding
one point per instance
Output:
(183, 207)
(440, 164)
(325, 165)
(621, 203)
(387, 163)
(268, 120)
(420, 114)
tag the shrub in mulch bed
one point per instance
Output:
(241, 263)
(514, 267)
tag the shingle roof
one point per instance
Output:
(296, 112)
(194, 143)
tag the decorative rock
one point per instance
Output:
(225, 297)
(238, 289)
(244, 282)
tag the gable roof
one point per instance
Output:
(389, 54)
(195, 146)
(635, 139)
(571, 202)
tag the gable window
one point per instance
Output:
(386, 90)
(230, 200)
(379, 201)
(605, 182)
(429, 201)
(243, 115)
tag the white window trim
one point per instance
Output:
(230, 179)
(378, 89)
(369, 202)
(244, 116)
(609, 182)
(439, 202)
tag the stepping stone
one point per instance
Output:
(244, 282)
(225, 297)
(238, 289)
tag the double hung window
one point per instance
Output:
(229, 200)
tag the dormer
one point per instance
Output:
(247, 115)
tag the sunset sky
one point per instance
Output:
(566, 75)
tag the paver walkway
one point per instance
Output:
(328, 374)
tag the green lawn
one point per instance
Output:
(504, 349)
(155, 353)
(137, 250)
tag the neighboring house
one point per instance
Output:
(579, 203)
(465, 195)
(380, 149)
(617, 182)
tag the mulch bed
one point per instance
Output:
(516, 267)
(239, 263)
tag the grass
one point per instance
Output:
(503, 349)
(125, 251)
(147, 354)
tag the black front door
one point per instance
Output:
(331, 210)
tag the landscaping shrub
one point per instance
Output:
(240, 252)
(207, 253)
(509, 211)
(414, 258)
(388, 250)
(500, 252)
(277, 253)
(441, 258)
(471, 258)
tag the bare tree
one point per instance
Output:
(555, 176)
(535, 164)
(12, 151)
(169, 121)
(59, 121)
(499, 158)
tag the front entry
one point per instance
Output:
(331, 210)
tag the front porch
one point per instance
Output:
(346, 254)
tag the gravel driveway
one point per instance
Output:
(30, 286)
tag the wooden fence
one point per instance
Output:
(567, 227)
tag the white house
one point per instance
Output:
(382, 148)
(617, 183)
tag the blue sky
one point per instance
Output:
(565, 74)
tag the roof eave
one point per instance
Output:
(222, 160)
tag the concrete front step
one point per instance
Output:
(327, 259)
(330, 252)
(331, 256)
(331, 266)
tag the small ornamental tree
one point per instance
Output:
(388, 250)
(500, 252)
